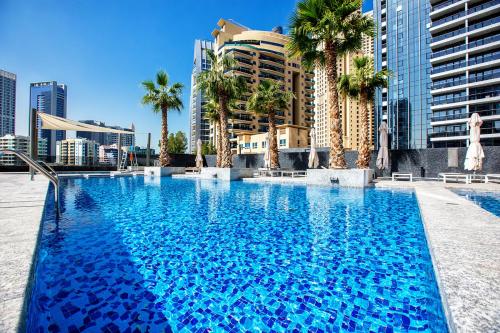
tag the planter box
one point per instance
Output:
(226, 173)
(163, 171)
(342, 177)
(234, 173)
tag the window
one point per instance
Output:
(254, 145)
(264, 144)
(282, 142)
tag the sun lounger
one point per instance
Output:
(193, 170)
(402, 175)
(490, 177)
(294, 173)
(454, 176)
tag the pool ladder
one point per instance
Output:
(39, 166)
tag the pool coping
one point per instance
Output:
(19, 238)
(464, 280)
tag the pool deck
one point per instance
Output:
(463, 238)
(21, 207)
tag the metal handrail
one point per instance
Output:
(35, 165)
(48, 167)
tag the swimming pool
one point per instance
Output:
(191, 255)
(487, 200)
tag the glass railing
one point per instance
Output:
(449, 100)
(482, 95)
(440, 85)
(483, 59)
(449, 134)
(271, 76)
(243, 60)
(448, 18)
(449, 117)
(483, 24)
(450, 50)
(483, 6)
(444, 4)
(448, 35)
(309, 87)
(448, 67)
(267, 58)
(484, 77)
(272, 68)
(484, 41)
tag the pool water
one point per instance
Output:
(141, 254)
(486, 200)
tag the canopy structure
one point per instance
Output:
(57, 123)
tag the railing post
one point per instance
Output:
(34, 140)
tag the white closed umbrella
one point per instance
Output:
(383, 151)
(267, 153)
(475, 153)
(313, 154)
(199, 158)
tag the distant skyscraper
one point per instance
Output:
(77, 152)
(199, 127)
(7, 103)
(465, 59)
(402, 46)
(107, 138)
(50, 98)
(349, 107)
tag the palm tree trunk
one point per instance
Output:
(363, 161)
(218, 143)
(224, 134)
(273, 145)
(164, 156)
(337, 159)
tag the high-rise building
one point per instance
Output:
(77, 152)
(402, 46)
(7, 103)
(199, 127)
(50, 98)
(261, 55)
(465, 75)
(349, 107)
(106, 139)
(14, 142)
(108, 154)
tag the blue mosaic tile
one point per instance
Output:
(487, 200)
(139, 255)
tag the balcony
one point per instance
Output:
(485, 23)
(263, 57)
(454, 83)
(448, 18)
(484, 41)
(481, 60)
(444, 4)
(271, 68)
(271, 76)
(448, 51)
(483, 6)
(309, 96)
(244, 61)
(448, 35)
(448, 67)
(309, 88)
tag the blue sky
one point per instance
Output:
(102, 50)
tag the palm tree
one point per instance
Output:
(212, 114)
(321, 31)
(268, 99)
(163, 98)
(361, 85)
(218, 83)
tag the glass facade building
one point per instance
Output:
(465, 59)
(50, 98)
(199, 127)
(7, 103)
(402, 46)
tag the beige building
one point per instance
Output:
(77, 152)
(14, 142)
(261, 55)
(349, 108)
(287, 136)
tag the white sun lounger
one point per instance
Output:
(402, 175)
(454, 176)
(488, 178)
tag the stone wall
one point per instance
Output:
(421, 162)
